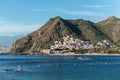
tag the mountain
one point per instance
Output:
(7, 41)
(55, 29)
(111, 27)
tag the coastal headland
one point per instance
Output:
(62, 36)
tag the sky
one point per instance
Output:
(20, 17)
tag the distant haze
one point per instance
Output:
(7, 41)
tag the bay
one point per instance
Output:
(59, 67)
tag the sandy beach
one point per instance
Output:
(86, 54)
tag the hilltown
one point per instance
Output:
(69, 43)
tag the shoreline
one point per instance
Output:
(86, 54)
(93, 54)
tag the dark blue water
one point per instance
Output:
(60, 67)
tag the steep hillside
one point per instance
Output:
(90, 31)
(111, 27)
(54, 30)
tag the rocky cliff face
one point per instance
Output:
(54, 30)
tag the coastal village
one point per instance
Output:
(4, 49)
(68, 44)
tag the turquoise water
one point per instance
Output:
(60, 67)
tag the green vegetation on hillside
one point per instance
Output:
(56, 28)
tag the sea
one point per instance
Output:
(32, 67)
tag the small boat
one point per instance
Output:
(81, 58)
(19, 69)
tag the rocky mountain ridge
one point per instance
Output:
(56, 28)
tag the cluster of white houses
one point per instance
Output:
(70, 43)
(4, 49)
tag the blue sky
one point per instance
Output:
(24, 16)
